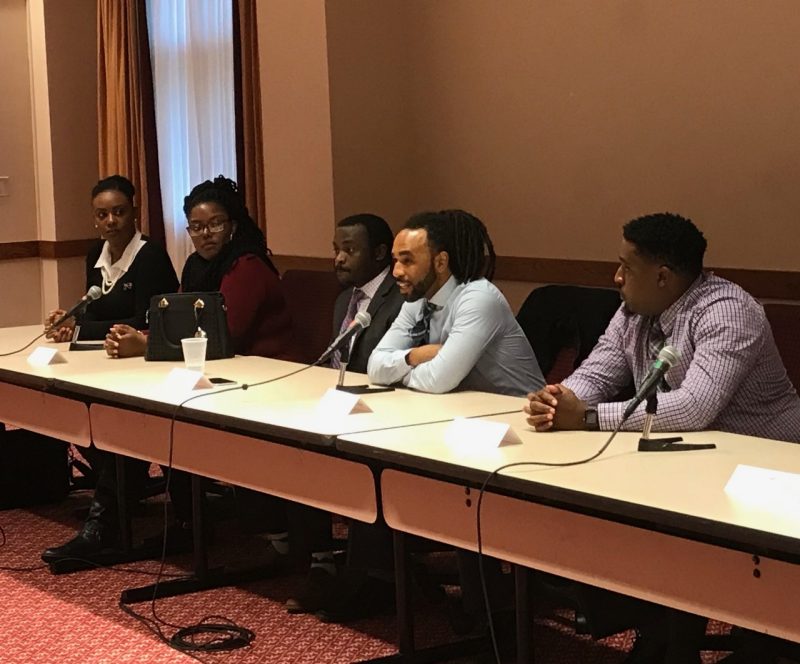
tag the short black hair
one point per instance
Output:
(378, 231)
(669, 238)
(464, 237)
(115, 183)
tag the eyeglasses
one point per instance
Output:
(196, 230)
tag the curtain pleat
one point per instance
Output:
(247, 81)
(125, 106)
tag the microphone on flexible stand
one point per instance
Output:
(361, 321)
(668, 357)
(648, 390)
(345, 342)
(344, 359)
(92, 294)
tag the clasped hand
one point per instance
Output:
(124, 341)
(555, 407)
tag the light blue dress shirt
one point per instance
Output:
(483, 349)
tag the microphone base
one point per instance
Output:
(363, 389)
(83, 345)
(671, 445)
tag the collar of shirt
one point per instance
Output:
(370, 288)
(667, 318)
(441, 297)
(113, 271)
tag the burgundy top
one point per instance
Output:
(258, 316)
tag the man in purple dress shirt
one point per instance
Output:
(730, 376)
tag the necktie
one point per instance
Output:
(352, 309)
(421, 332)
(655, 342)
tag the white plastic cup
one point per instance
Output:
(194, 353)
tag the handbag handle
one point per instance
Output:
(197, 307)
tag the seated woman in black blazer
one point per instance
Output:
(129, 269)
(124, 264)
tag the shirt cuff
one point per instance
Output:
(398, 367)
(609, 415)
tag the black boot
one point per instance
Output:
(99, 532)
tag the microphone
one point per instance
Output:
(668, 357)
(361, 321)
(92, 294)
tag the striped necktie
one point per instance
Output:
(656, 340)
(421, 332)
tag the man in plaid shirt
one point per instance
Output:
(729, 377)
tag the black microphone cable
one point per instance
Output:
(211, 633)
(482, 492)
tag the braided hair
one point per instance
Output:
(464, 237)
(206, 275)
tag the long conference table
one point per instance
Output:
(657, 526)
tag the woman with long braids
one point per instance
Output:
(230, 256)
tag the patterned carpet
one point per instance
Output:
(75, 617)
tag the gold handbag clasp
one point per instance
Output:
(199, 305)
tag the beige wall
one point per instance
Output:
(72, 85)
(558, 121)
(371, 85)
(296, 123)
(555, 121)
(20, 279)
(18, 210)
(48, 146)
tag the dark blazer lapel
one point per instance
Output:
(340, 309)
(383, 290)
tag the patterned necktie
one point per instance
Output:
(352, 309)
(421, 332)
(655, 342)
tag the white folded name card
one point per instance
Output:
(335, 403)
(43, 356)
(476, 434)
(185, 380)
(776, 490)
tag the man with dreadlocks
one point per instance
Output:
(456, 330)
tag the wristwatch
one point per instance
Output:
(590, 420)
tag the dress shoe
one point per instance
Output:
(92, 539)
(315, 592)
(355, 596)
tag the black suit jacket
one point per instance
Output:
(383, 308)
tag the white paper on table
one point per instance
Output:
(765, 488)
(185, 380)
(336, 403)
(473, 434)
(43, 356)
